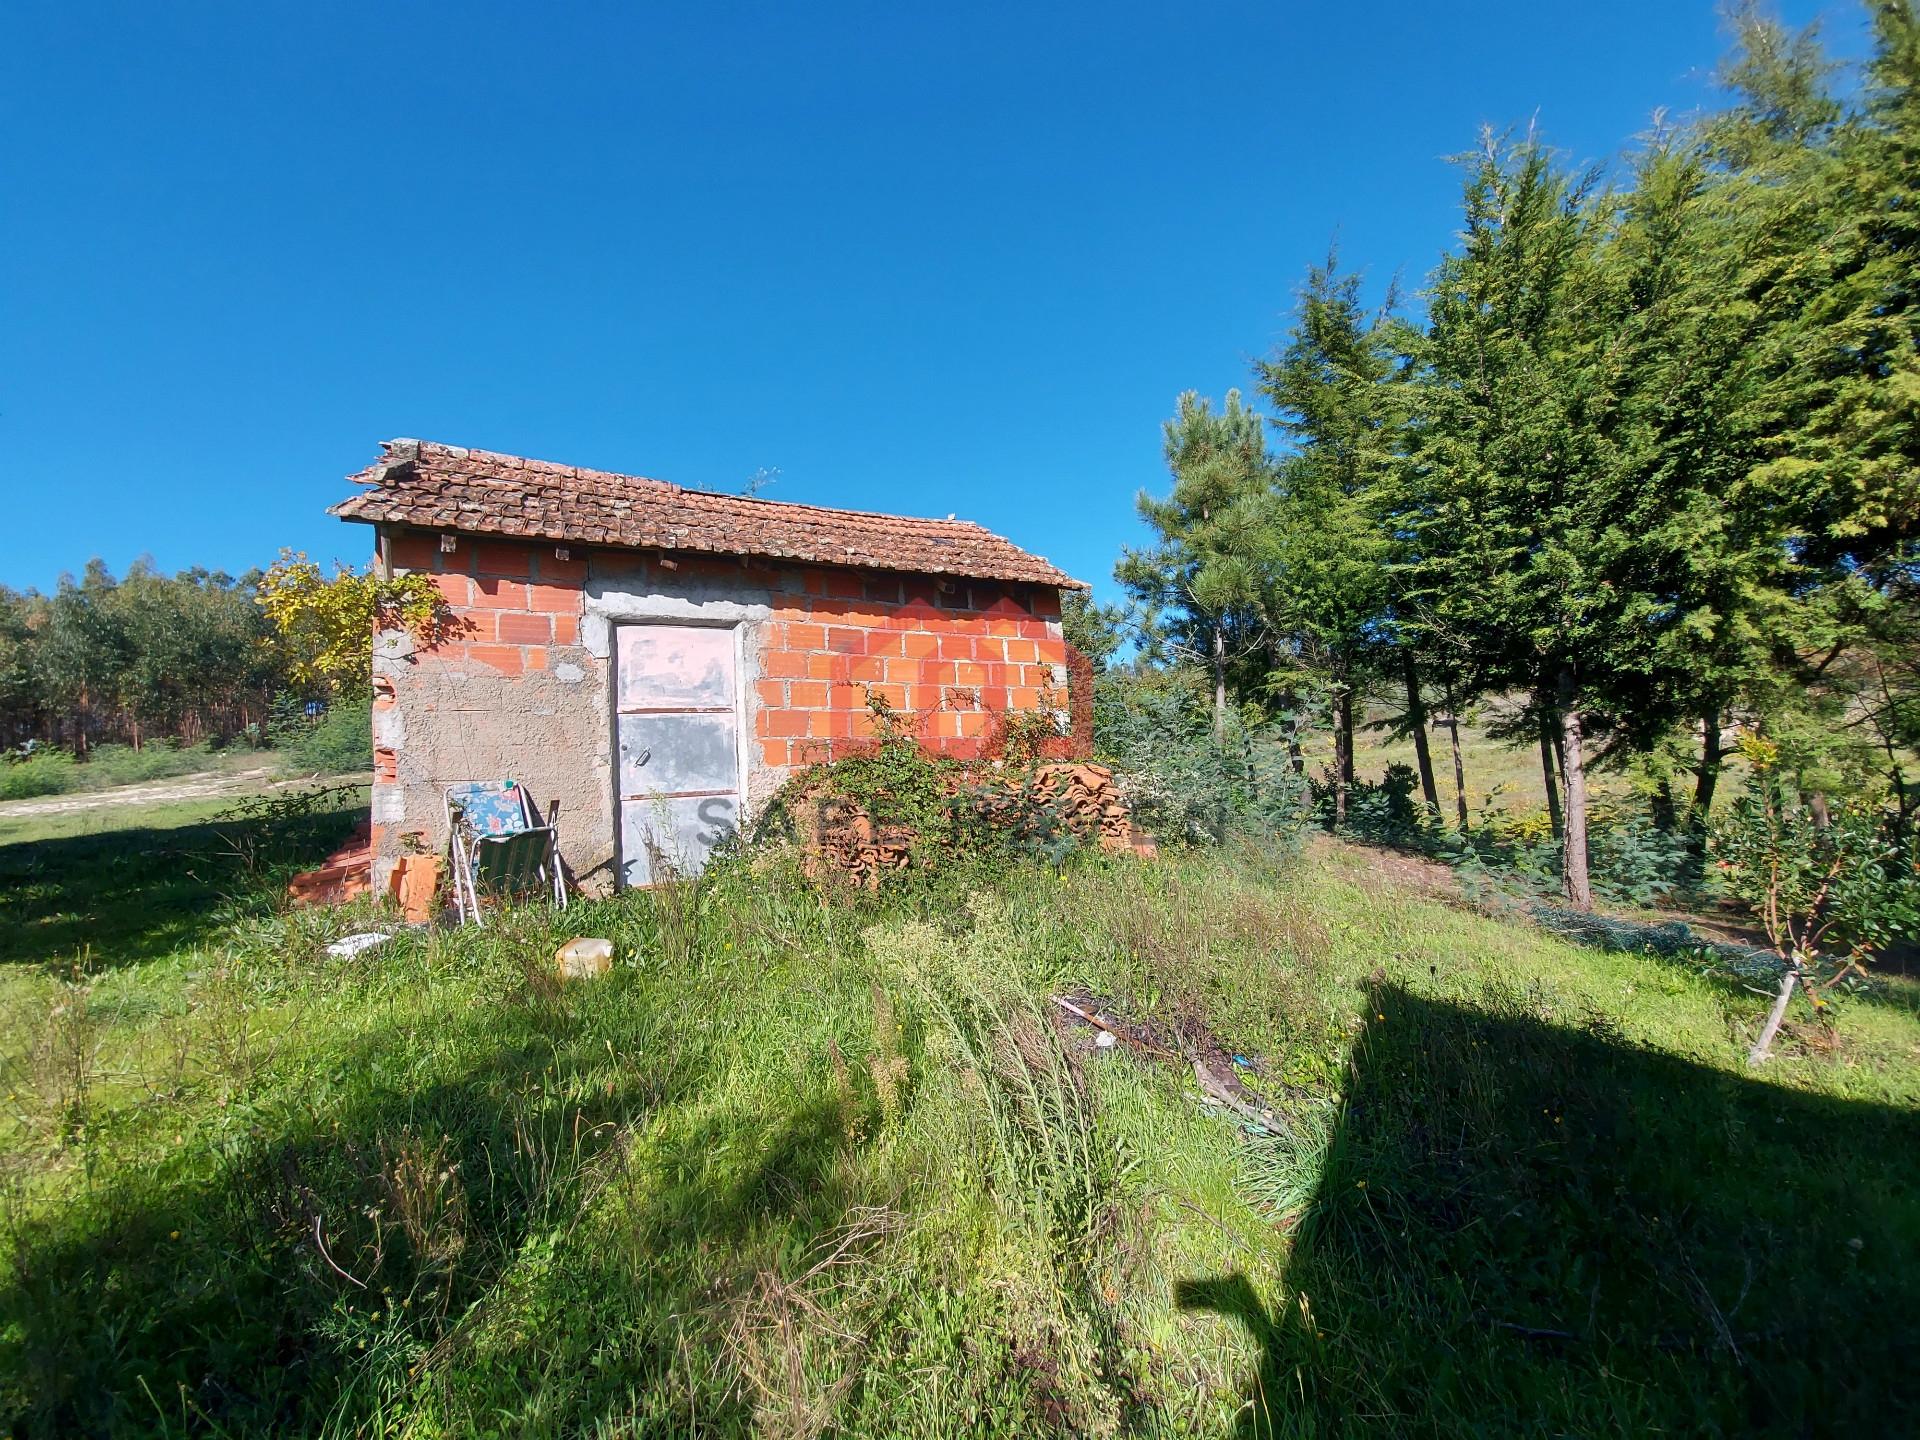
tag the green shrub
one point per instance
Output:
(45, 772)
(337, 742)
(1382, 812)
(1185, 784)
(1832, 889)
(950, 813)
(1631, 860)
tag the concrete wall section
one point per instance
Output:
(512, 693)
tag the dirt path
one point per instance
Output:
(158, 792)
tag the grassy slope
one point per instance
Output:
(1499, 775)
(799, 1159)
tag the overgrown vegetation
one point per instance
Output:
(834, 1161)
(1195, 776)
(1634, 466)
(338, 741)
(934, 808)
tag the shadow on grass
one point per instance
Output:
(473, 1242)
(1529, 1229)
(139, 893)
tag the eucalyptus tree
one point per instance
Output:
(80, 653)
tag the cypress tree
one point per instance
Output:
(1341, 409)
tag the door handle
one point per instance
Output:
(643, 757)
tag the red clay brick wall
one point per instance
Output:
(513, 600)
(955, 655)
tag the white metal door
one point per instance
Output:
(678, 718)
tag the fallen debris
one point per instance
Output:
(348, 946)
(1214, 1068)
(584, 958)
(1137, 1036)
(347, 873)
(414, 883)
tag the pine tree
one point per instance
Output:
(1831, 266)
(1198, 587)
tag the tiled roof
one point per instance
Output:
(477, 492)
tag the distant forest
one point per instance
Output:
(144, 657)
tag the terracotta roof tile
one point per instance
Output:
(478, 492)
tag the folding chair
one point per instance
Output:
(497, 847)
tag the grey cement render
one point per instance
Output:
(554, 729)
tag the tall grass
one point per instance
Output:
(831, 1162)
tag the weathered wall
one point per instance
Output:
(523, 689)
(513, 693)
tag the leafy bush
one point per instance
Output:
(895, 781)
(1831, 889)
(45, 772)
(1185, 784)
(340, 741)
(940, 810)
(1382, 812)
(1631, 860)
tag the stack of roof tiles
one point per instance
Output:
(478, 492)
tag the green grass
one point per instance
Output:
(808, 1164)
(115, 886)
(1499, 775)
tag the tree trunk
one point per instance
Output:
(1549, 767)
(1707, 776)
(1346, 730)
(1459, 767)
(1663, 811)
(1574, 777)
(1817, 806)
(1342, 748)
(1763, 1047)
(1417, 722)
(1220, 681)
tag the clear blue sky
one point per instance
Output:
(923, 258)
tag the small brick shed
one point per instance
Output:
(653, 662)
